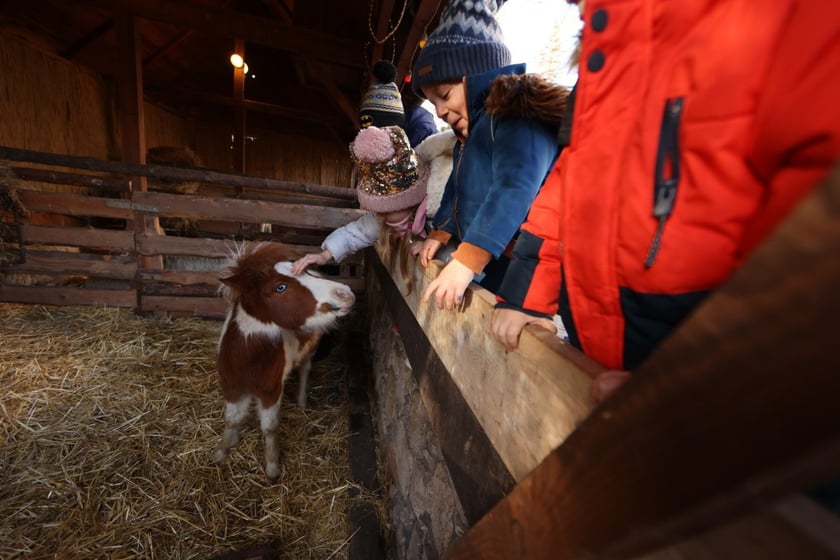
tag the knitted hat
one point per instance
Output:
(468, 40)
(382, 104)
(391, 176)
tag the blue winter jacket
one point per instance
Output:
(497, 173)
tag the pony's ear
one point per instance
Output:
(230, 278)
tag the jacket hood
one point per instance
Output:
(510, 92)
(529, 96)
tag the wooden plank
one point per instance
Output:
(69, 263)
(180, 277)
(209, 307)
(91, 238)
(43, 295)
(542, 388)
(219, 248)
(736, 408)
(250, 211)
(75, 205)
(479, 476)
(173, 173)
(113, 184)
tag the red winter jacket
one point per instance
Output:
(697, 125)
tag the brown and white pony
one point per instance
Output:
(273, 325)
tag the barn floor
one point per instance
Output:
(108, 422)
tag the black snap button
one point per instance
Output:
(595, 61)
(599, 19)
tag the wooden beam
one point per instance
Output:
(383, 22)
(347, 107)
(239, 112)
(175, 40)
(737, 408)
(426, 12)
(70, 52)
(229, 209)
(44, 295)
(173, 173)
(232, 24)
(132, 119)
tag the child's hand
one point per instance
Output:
(450, 285)
(414, 247)
(507, 325)
(428, 250)
(312, 258)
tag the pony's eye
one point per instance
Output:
(280, 288)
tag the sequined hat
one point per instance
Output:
(391, 176)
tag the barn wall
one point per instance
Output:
(277, 156)
(75, 114)
(165, 128)
(424, 511)
(49, 104)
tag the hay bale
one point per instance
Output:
(108, 425)
(174, 156)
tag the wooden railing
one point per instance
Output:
(735, 411)
(73, 243)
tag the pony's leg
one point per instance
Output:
(235, 414)
(269, 420)
(303, 378)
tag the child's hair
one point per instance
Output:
(399, 249)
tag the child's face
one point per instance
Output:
(389, 218)
(450, 101)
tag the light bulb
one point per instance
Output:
(237, 60)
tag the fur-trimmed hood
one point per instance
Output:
(529, 96)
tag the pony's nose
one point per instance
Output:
(344, 295)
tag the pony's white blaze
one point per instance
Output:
(333, 299)
(256, 355)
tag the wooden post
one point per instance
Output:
(132, 127)
(239, 112)
(737, 408)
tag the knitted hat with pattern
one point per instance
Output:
(382, 104)
(468, 40)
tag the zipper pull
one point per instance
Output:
(667, 172)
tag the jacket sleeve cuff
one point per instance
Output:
(472, 256)
(440, 235)
(502, 304)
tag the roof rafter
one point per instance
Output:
(236, 25)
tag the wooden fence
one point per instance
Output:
(78, 230)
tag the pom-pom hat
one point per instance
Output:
(382, 104)
(468, 40)
(391, 176)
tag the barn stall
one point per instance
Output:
(424, 439)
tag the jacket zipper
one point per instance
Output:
(667, 172)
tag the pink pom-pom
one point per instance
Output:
(373, 145)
